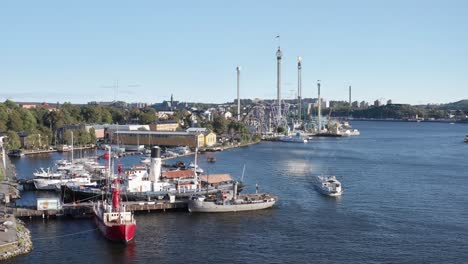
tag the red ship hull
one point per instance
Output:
(116, 232)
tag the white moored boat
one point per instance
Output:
(328, 185)
(54, 183)
(466, 139)
(41, 173)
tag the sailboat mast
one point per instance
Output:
(243, 170)
(71, 146)
(198, 182)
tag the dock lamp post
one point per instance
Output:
(3, 150)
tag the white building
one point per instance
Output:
(227, 115)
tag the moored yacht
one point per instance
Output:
(54, 183)
(42, 173)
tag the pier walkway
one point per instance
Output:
(86, 209)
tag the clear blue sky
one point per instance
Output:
(408, 51)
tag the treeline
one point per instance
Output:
(42, 123)
(398, 111)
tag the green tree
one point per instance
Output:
(56, 119)
(3, 117)
(14, 121)
(67, 137)
(280, 130)
(92, 136)
(220, 124)
(34, 141)
(119, 116)
(46, 136)
(207, 125)
(29, 120)
(13, 140)
(148, 116)
(83, 137)
(10, 104)
(106, 116)
(42, 116)
(92, 114)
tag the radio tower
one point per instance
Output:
(279, 54)
(238, 68)
(350, 96)
(299, 87)
(319, 111)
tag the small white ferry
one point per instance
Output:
(328, 185)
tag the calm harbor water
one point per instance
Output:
(405, 201)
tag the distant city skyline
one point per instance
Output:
(407, 51)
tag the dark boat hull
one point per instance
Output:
(327, 135)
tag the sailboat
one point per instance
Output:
(114, 222)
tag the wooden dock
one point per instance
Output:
(86, 209)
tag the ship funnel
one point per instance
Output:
(155, 169)
(155, 152)
(235, 191)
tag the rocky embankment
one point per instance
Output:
(23, 244)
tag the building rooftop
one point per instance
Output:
(196, 129)
(147, 132)
(177, 174)
(216, 178)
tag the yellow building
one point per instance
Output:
(159, 138)
(169, 125)
(201, 140)
(210, 139)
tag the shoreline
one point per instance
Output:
(21, 246)
(405, 120)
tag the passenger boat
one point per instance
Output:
(230, 201)
(294, 139)
(114, 222)
(328, 185)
